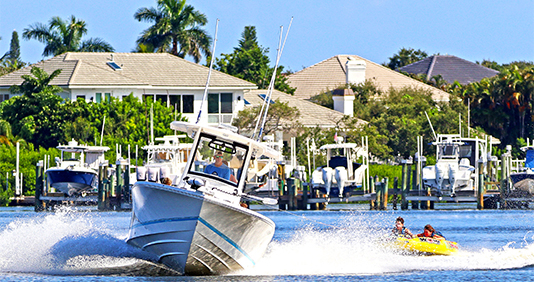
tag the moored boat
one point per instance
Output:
(78, 173)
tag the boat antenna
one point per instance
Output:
(267, 100)
(209, 72)
(431, 127)
(102, 132)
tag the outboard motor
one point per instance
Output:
(341, 176)
(327, 178)
(141, 173)
(153, 174)
(317, 178)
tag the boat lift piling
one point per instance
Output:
(382, 194)
(506, 161)
(415, 204)
(481, 186)
(379, 192)
(39, 184)
(372, 190)
(406, 172)
(395, 197)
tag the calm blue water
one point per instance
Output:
(340, 244)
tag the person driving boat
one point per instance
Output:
(219, 168)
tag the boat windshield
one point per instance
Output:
(449, 151)
(218, 159)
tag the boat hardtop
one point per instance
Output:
(257, 147)
(74, 147)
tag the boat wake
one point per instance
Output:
(71, 243)
(77, 243)
(357, 250)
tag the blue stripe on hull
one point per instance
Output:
(211, 227)
(227, 239)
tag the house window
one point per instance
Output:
(3, 97)
(182, 103)
(80, 97)
(220, 107)
(148, 97)
(98, 97)
(108, 97)
(162, 99)
(175, 102)
(188, 104)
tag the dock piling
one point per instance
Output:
(39, 173)
(480, 190)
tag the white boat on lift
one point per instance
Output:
(456, 164)
(198, 226)
(341, 170)
(164, 159)
(78, 173)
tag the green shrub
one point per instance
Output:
(389, 171)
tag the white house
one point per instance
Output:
(95, 77)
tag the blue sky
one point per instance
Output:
(501, 31)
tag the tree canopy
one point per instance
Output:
(502, 105)
(280, 116)
(11, 61)
(177, 28)
(250, 62)
(61, 36)
(404, 57)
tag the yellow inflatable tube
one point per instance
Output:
(426, 245)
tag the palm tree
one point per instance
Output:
(38, 83)
(176, 29)
(65, 36)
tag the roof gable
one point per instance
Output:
(331, 73)
(451, 68)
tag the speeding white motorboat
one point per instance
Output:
(198, 226)
(78, 173)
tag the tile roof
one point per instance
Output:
(451, 68)
(138, 69)
(311, 114)
(330, 74)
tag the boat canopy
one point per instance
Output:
(73, 147)
(339, 146)
(191, 129)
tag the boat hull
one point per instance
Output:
(196, 235)
(426, 246)
(71, 181)
(519, 176)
